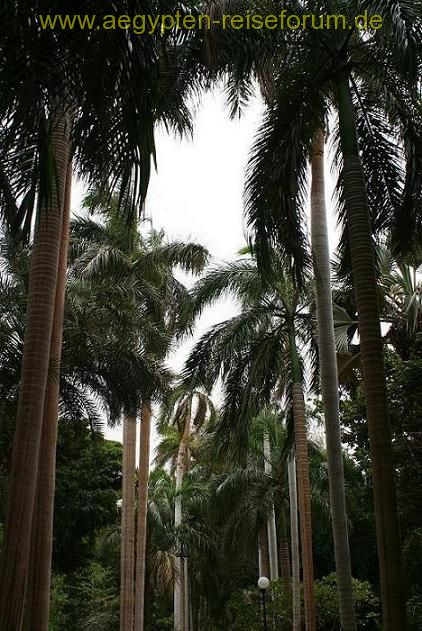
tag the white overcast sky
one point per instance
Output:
(196, 193)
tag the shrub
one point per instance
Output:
(243, 609)
(366, 603)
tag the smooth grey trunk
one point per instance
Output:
(263, 555)
(127, 549)
(191, 615)
(329, 384)
(271, 526)
(179, 584)
(186, 599)
(142, 506)
(294, 535)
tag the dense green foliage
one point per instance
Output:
(224, 505)
(244, 609)
(226, 494)
(242, 425)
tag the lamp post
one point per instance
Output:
(263, 584)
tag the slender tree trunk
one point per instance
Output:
(186, 595)
(264, 557)
(272, 532)
(302, 461)
(127, 546)
(285, 563)
(329, 385)
(15, 558)
(191, 620)
(372, 354)
(178, 582)
(39, 577)
(294, 535)
(181, 465)
(284, 551)
(141, 532)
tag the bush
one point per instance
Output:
(414, 612)
(243, 609)
(366, 603)
(59, 601)
(85, 601)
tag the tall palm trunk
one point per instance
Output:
(141, 531)
(263, 553)
(186, 595)
(372, 354)
(35, 363)
(294, 536)
(285, 571)
(329, 384)
(302, 461)
(284, 551)
(127, 547)
(181, 465)
(39, 581)
(272, 532)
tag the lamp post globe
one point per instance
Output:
(263, 582)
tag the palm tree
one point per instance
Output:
(106, 253)
(370, 81)
(116, 252)
(52, 111)
(187, 410)
(127, 545)
(38, 601)
(329, 382)
(95, 355)
(296, 625)
(246, 495)
(142, 503)
(400, 286)
(195, 537)
(257, 352)
(271, 525)
(252, 490)
(35, 363)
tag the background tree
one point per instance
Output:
(186, 410)
(257, 352)
(351, 72)
(54, 115)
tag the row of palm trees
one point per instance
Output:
(111, 254)
(69, 101)
(101, 258)
(258, 362)
(56, 123)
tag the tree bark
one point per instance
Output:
(302, 461)
(372, 356)
(285, 570)
(294, 536)
(329, 385)
(141, 532)
(127, 548)
(38, 596)
(271, 527)
(15, 557)
(264, 557)
(181, 465)
(186, 596)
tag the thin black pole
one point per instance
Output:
(264, 610)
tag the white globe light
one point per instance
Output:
(263, 582)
